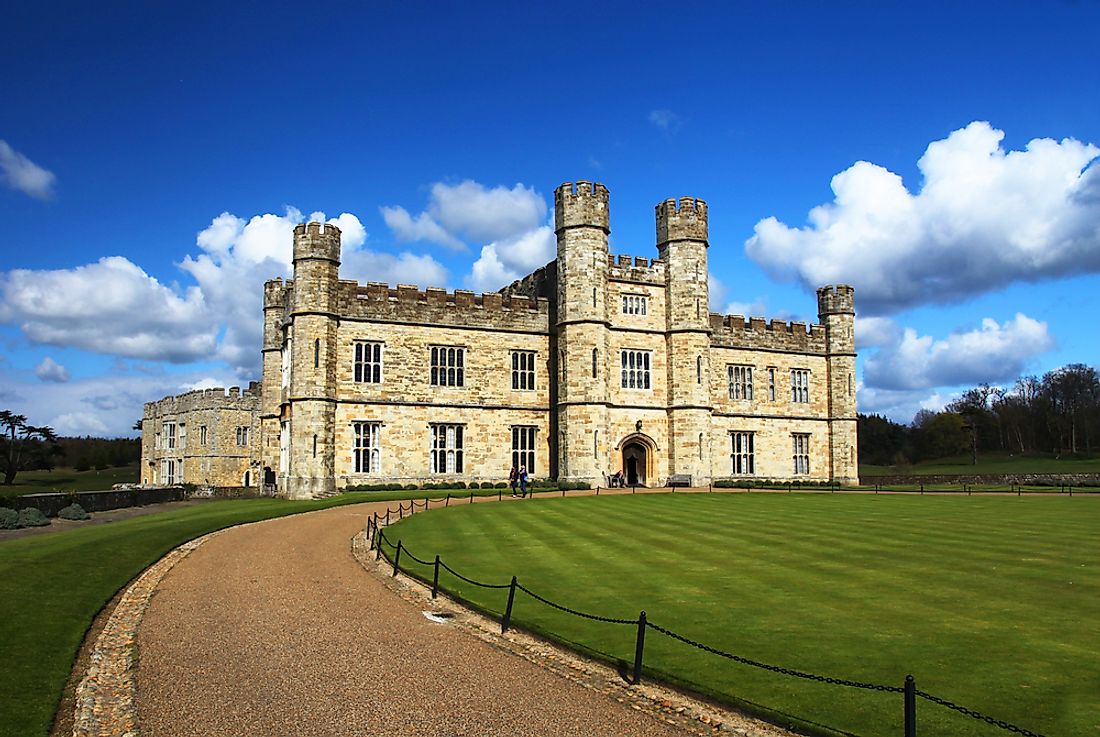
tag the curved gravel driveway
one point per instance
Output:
(275, 629)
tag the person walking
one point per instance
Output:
(512, 477)
(523, 480)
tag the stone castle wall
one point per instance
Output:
(577, 316)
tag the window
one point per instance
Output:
(286, 363)
(800, 386)
(170, 472)
(740, 381)
(202, 435)
(316, 353)
(368, 363)
(284, 448)
(523, 370)
(447, 448)
(523, 448)
(849, 385)
(771, 383)
(742, 455)
(366, 453)
(183, 435)
(634, 304)
(595, 360)
(698, 369)
(448, 366)
(801, 452)
(242, 436)
(635, 369)
(170, 435)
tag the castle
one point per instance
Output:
(591, 365)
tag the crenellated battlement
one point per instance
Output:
(315, 240)
(683, 219)
(622, 267)
(582, 204)
(406, 303)
(218, 398)
(734, 331)
(275, 293)
(834, 301)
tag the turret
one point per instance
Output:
(312, 368)
(682, 243)
(836, 310)
(581, 219)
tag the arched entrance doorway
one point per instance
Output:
(635, 463)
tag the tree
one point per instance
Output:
(22, 446)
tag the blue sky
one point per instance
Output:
(153, 160)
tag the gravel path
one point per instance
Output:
(275, 629)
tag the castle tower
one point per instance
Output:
(682, 243)
(312, 383)
(836, 310)
(582, 225)
(273, 392)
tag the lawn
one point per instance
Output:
(987, 464)
(67, 479)
(992, 602)
(52, 586)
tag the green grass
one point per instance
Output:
(992, 463)
(52, 586)
(67, 479)
(993, 603)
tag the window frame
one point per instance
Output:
(800, 453)
(800, 386)
(365, 367)
(523, 374)
(366, 447)
(739, 377)
(448, 440)
(636, 304)
(447, 366)
(742, 453)
(524, 439)
(636, 366)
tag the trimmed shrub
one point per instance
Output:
(9, 519)
(31, 517)
(73, 512)
(411, 487)
(500, 485)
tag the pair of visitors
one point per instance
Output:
(617, 480)
(513, 477)
(523, 481)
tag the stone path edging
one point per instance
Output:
(106, 696)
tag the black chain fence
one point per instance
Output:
(375, 533)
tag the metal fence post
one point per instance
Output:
(400, 511)
(471, 497)
(378, 545)
(910, 691)
(397, 558)
(448, 502)
(639, 646)
(508, 611)
(387, 516)
(500, 494)
(435, 578)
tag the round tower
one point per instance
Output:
(836, 311)
(311, 394)
(682, 243)
(582, 225)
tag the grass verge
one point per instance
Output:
(993, 603)
(52, 586)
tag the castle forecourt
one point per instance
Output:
(597, 368)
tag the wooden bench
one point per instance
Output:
(679, 479)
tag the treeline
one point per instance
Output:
(86, 453)
(1057, 414)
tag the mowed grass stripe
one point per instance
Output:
(992, 602)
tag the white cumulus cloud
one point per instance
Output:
(114, 307)
(983, 217)
(992, 353)
(23, 175)
(51, 371)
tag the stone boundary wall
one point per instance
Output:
(51, 503)
(1023, 479)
